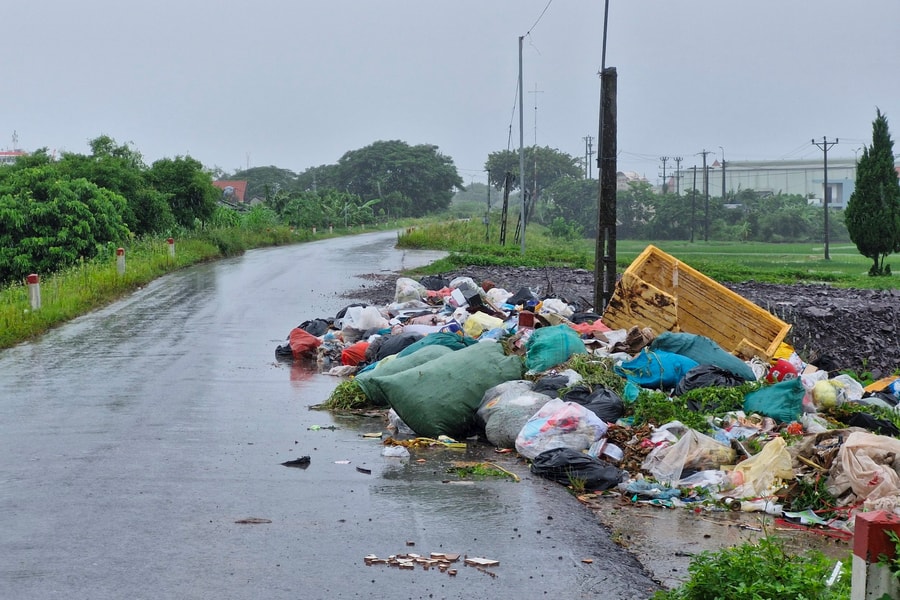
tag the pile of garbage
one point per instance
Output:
(660, 417)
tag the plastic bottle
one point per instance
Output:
(766, 506)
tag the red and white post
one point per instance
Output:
(171, 242)
(871, 579)
(120, 261)
(34, 290)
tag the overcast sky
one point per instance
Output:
(296, 83)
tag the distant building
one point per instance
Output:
(802, 177)
(8, 157)
(623, 178)
(232, 190)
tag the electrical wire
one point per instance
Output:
(539, 18)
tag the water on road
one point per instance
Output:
(136, 438)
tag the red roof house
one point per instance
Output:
(232, 190)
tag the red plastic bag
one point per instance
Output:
(303, 344)
(355, 354)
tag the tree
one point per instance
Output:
(873, 211)
(424, 178)
(573, 200)
(323, 177)
(48, 222)
(187, 187)
(543, 166)
(634, 208)
(265, 182)
(121, 169)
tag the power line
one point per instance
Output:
(539, 18)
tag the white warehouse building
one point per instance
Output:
(803, 177)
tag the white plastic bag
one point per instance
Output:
(498, 296)
(559, 424)
(695, 451)
(556, 307)
(408, 289)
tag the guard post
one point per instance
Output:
(871, 578)
(34, 290)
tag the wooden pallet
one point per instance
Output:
(661, 292)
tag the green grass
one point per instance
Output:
(723, 261)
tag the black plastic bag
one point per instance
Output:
(571, 467)
(879, 426)
(316, 327)
(550, 385)
(584, 317)
(434, 282)
(389, 345)
(601, 401)
(703, 376)
(522, 297)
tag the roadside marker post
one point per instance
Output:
(120, 261)
(34, 291)
(171, 242)
(871, 578)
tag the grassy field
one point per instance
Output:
(91, 284)
(723, 261)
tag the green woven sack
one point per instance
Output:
(551, 346)
(440, 397)
(782, 401)
(369, 380)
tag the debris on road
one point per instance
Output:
(301, 463)
(442, 561)
(253, 521)
(683, 394)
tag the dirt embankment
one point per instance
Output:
(835, 328)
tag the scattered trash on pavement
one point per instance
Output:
(682, 394)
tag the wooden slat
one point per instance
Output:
(663, 293)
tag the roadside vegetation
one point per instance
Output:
(725, 261)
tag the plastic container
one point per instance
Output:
(766, 506)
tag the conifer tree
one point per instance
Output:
(873, 211)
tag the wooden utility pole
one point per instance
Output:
(605, 253)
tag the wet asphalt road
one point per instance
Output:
(135, 437)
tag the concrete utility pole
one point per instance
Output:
(706, 195)
(723, 173)
(693, 202)
(678, 160)
(824, 146)
(535, 92)
(521, 148)
(664, 160)
(588, 153)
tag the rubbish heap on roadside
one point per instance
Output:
(682, 394)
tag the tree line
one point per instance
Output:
(53, 212)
